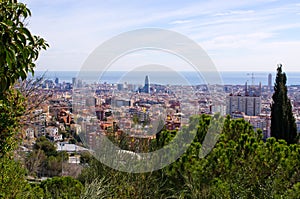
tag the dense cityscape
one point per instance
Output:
(129, 109)
(127, 105)
(148, 136)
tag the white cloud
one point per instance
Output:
(234, 12)
(180, 22)
(237, 41)
(75, 30)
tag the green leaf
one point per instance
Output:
(23, 74)
(23, 39)
(28, 34)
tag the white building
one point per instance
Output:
(53, 133)
(250, 105)
(52, 130)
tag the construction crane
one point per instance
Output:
(252, 78)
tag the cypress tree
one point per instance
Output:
(283, 124)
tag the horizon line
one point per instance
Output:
(248, 71)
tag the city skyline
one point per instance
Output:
(237, 35)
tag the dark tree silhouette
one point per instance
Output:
(283, 124)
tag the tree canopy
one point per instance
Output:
(18, 47)
(241, 165)
(283, 124)
(18, 51)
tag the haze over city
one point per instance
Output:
(237, 35)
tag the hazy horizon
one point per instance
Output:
(237, 71)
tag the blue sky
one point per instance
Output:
(238, 35)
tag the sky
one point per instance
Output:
(238, 35)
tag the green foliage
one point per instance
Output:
(54, 164)
(44, 159)
(163, 138)
(86, 157)
(12, 178)
(240, 165)
(18, 47)
(62, 187)
(13, 184)
(94, 170)
(103, 182)
(11, 110)
(45, 145)
(33, 191)
(283, 124)
(18, 50)
(294, 192)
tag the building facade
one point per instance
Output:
(250, 105)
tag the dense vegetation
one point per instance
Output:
(241, 165)
(18, 51)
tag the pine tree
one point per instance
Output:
(283, 124)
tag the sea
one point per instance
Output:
(170, 77)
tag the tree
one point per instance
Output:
(18, 47)
(45, 145)
(241, 165)
(11, 110)
(86, 157)
(283, 124)
(34, 161)
(12, 178)
(18, 51)
(62, 187)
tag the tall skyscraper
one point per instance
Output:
(147, 85)
(270, 82)
(74, 81)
